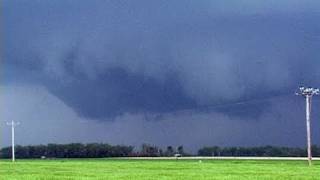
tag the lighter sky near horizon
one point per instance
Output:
(180, 72)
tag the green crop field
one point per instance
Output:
(157, 169)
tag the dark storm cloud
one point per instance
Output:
(105, 58)
(118, 91)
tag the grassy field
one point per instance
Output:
(157, 169)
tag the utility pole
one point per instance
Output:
(13, 125)
(308, 93)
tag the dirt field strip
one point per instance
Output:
(221, 158)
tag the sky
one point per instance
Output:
(179, 72)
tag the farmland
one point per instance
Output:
(158, 169)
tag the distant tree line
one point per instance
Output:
(74, 150)
(263, 151)
(101, 150)
(92, 150)
(154, 151)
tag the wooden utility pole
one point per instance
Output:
(308, 93)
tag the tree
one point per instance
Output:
(149, 150)
(205, 151)
(169, 151)
(180, 150)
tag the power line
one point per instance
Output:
(237, 103)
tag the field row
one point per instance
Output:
(158, 169)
